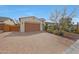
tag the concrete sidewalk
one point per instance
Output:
(73, 49)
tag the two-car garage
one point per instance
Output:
(32, 27)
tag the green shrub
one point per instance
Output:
(55, 32)
(50, 30)
(61, 33)
(46, 27)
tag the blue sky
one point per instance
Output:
(41, 11)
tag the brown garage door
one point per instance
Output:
(32, 27)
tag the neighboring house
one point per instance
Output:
(5, 21)
(49, 23)
(31, 24)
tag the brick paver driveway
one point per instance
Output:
(16, 42)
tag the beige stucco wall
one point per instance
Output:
(9, 22)
(31, 20)
(22, 26)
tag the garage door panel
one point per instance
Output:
(31, 27)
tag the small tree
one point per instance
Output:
(55, 18)
(63, 20)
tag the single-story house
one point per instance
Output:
(31, 24)
(6, 21)
(49, 23)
